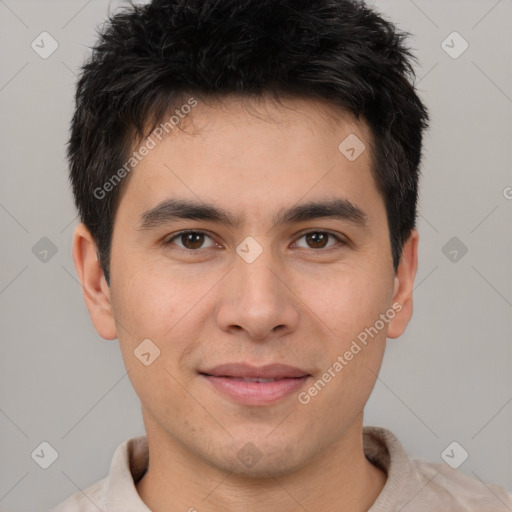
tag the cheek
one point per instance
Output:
(165, 308)
(149, 313)
(353, 353)
(141, 304)
(150, 295)
(352, 304)
(348, 301)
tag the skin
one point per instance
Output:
(298, 303)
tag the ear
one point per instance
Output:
(94, 286)
(404, 284)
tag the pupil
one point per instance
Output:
(192, 240)
(317, 239)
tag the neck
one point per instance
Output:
(340, 479)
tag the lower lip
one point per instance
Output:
(256, 393)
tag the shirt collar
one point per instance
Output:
(128, 466)
(131, 459)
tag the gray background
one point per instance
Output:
(447, 379)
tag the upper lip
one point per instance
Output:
(270, 371)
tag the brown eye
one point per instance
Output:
(319, 240)
(190, 240)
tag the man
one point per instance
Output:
(247, 174)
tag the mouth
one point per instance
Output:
(255, 385)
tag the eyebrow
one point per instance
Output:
(176, 209)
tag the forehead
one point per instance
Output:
(255, 154)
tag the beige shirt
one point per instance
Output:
(412, 485)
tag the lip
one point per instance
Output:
(269, 371)
(229, 380)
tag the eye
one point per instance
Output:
(190, 240)
(319, 240)
(194, 240)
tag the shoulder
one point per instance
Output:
(415, 485)
(116, 491)
(90, 499)
(460, 492)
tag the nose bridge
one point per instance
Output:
(258, 275)
(257, 300)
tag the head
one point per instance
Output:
(295, 130)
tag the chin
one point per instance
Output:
(247, 460)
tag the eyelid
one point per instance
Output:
(168, 240)
(339, 239)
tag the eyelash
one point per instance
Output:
(169, 241)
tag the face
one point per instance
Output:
(216, 260)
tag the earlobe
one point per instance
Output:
(404, 284)
(94, 286)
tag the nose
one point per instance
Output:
(258, 299)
